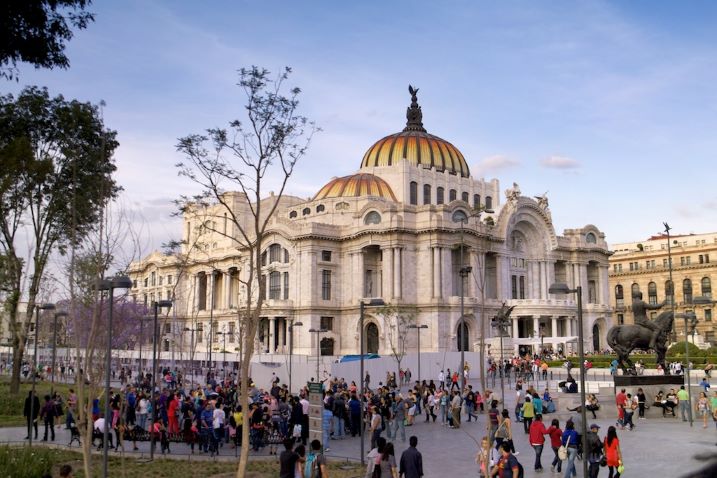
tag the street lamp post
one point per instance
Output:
(501, 323)
(362, 310)
(464, 271)
(291, 348)
(418, 344)
(155, 334)
(191, 353)
(54, 350)
(119, 282)
(38, 308)
(578, 291)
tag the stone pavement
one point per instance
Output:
(657, 447)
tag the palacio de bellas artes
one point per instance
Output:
(400, 229)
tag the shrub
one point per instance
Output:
(26, 462)
(678, 350)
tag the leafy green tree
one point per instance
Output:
(55, 178)
(35, 32)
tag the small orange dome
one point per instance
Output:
(356, 185)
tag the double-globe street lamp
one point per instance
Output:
(318, 349)
(109, 284)
(161, 304)
(578, 291)
(191, 352)
(38, 308)
(501, 323)
(418, 344)
(362, 310)
(292, 324)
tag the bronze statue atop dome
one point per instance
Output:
(414, 115)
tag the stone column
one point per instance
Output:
(437, 291)
(398, 272)
(544, 277)
(500, 273)
(516, 329)
(446, 272)
(387, 266)
(271, 334)
(536, 327)
(554, 327)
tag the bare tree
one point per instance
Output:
(264, 147)
(397, 321)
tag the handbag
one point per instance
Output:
(603, 461)
(296, 432)
(563, 450)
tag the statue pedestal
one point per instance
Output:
(650, 384)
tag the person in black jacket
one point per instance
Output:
(31, 402)
(594, 450)
(48, 415)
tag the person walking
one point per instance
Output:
(570, 441)
(555, 441)
(537, 440)
(483, 458)
(507, 466)
(375, 426)
(702, 406)
(316, 462)
(594, 450)
(613, 454)
(456, 403)
(48, 416)
(387, 462)
(31, 411)
(411, 465)
(399, 416)
(684, 402)
(641, 404)
(528, 412)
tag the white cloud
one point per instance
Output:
(559, 162)
(497, 162)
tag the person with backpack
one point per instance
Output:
(508, 465)
(316, 466)
(411, 461)
(287, 460)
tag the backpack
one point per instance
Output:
(312, 468)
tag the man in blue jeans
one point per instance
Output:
(399, 415)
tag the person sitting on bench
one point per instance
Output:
(98, 431)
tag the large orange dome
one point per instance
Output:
(417, 146)
(356, 185)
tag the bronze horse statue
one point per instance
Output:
(623, 339)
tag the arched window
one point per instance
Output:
(452, 195)
(275, 253)
(440, 195)
(596, 338)
(619, 296)
(459, 216)
(306, 211)
(327, 346)
(488, 203)
(426, 194)
(590, 238)
(413, 193)
(669, 292)
(464, 197)
(706, 287)
(462, 337)
(275, 285)
(372, 218)
(320, 208)
(293, 214)
(371, 339)
(635, 289)
(476, 201)
(652, 293)
(687, 291)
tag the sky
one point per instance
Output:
(609, 107)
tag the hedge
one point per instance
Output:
(650, 360)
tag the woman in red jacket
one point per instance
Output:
(613, 452)
(555, 436)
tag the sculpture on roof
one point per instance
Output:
(543, 200)
(512, 194)
(414, 115)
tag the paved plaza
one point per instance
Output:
(657, 446)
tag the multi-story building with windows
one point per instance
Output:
(403, 229)
(644, 267)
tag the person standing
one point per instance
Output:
(375, 426)
(630, 406)
(483, 458)
(613, 454)
(31, 411)
(316, 461)
(684, 402)
(620, 400)
(641, 401)
(456, 409)
(703, 408)
(441, 380)
(507, 466)
(287, 460)
(387, 462)
(570, 441)
(399, 416)
(537, 439)
(555, 437)
(48, 415)
(528, 413)
(411, 461)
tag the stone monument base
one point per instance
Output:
(650, 384)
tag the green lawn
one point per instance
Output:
(11, 406)
(23, 462)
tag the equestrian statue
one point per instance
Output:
(645, 335)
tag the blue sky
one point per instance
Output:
(610, 107)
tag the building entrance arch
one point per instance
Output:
(463, 337)
(371, 338)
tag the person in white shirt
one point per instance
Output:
(98, 433)
(441, 380)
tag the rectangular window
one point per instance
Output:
(161, 278)
(708, 315)
(154, 279)
(200, 333)
(664, 262)
(134, 284)
(167, 328)
(513, 287)
(145, 300)
(262, 293)
(521, 280)
(327, 323)
(620, 319)
(286, 286)
(146, 281)
(232, 331)
(274, 285)
(707, 258)
(213, 332)
(169, 279)
(326, 285)
(326, 256)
